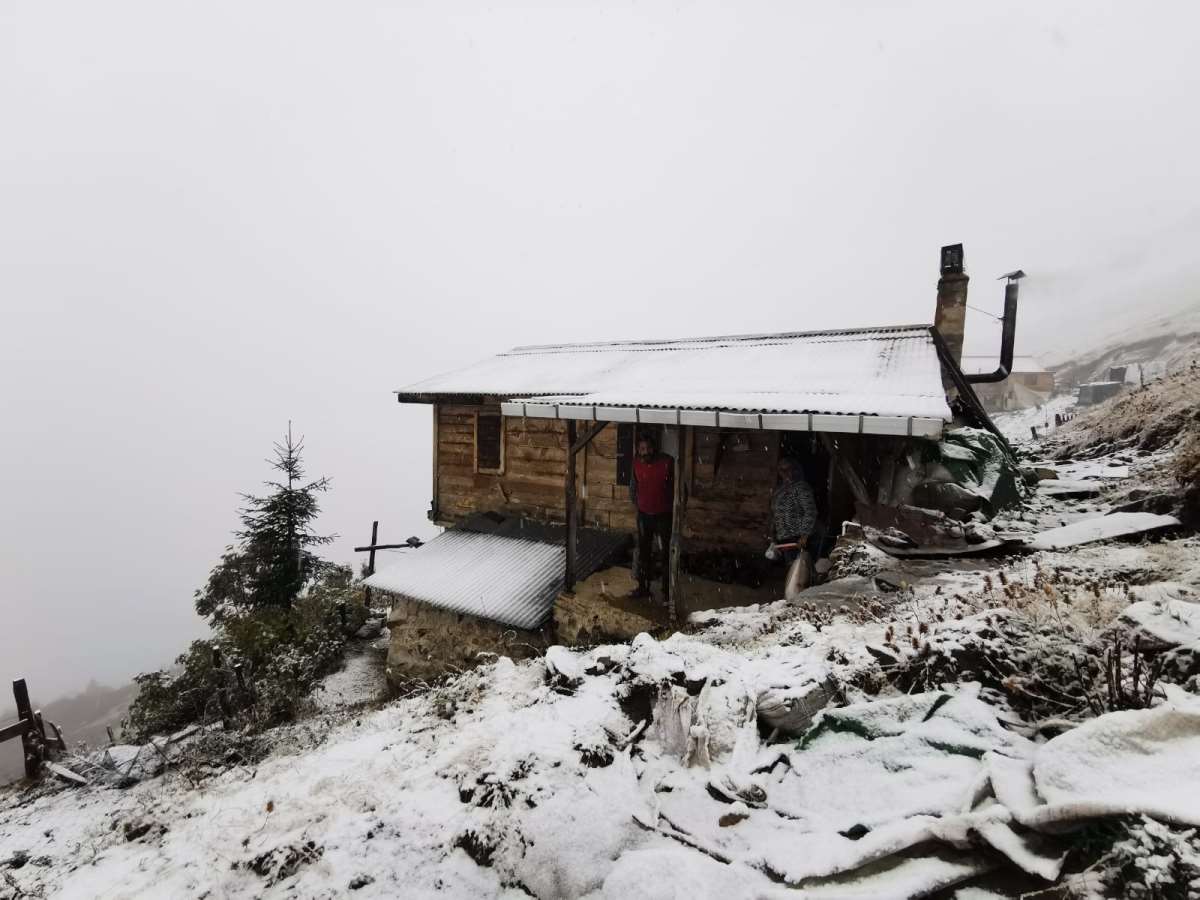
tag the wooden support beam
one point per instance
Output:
(17, 729)
(370, 548)
(683, 488)
(434, 510)
(572, 523)
(857, 486)
(594, 430)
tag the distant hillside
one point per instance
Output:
(1163, 343)
(82, 717)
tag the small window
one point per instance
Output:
(489, 443)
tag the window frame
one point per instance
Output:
(482, 470)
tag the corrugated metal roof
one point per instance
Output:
(496, 576)
(876, 371)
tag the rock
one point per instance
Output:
(792, 710)
(1159, 504)
(949, 497)
(1165, 615)
(885, 657)
(1045, 473)
(562, 668)
(370, 629)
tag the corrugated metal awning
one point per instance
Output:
(571, 408)
(510, 580)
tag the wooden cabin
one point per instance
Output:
(544, 436)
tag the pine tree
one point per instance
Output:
(274, 560)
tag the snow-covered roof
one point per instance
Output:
(507, 580)
(986, 364)
(892, 371)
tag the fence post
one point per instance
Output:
(222, 693)
(239, 673)
(371, 561)
(31, 743)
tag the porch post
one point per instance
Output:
(569, 575)
(683, 488)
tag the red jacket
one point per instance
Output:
(652, 486)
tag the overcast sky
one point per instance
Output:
(216, 217)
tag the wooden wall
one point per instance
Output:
(535, 459)
(734, 474)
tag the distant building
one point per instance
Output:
(1029, 384)
(1097, 392)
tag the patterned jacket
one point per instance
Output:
(793, 511)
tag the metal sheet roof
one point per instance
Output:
(505, 579)
(892, 371)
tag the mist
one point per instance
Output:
(218, 218)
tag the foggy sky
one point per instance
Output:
(216, 217)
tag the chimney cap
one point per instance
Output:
(952, 259)
(1014, 275)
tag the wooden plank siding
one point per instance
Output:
(733, 476)
(531, 483)
(734, 473)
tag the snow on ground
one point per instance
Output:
(360, 680)
(701, 766)
(1015, 424)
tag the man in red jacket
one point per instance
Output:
(652, 491)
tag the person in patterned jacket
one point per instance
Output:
(793, 509)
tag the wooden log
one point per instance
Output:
(17, 729)
(30, 743)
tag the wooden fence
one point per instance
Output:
(36, 745)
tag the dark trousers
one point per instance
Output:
(650, 525)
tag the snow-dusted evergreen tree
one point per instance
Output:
(274, 559)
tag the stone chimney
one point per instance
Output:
(951, 317)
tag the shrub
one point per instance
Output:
(1155, 862)
(283, 653)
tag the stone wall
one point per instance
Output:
(598, 612)
(427, 642)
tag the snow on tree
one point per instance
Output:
(274, 558)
